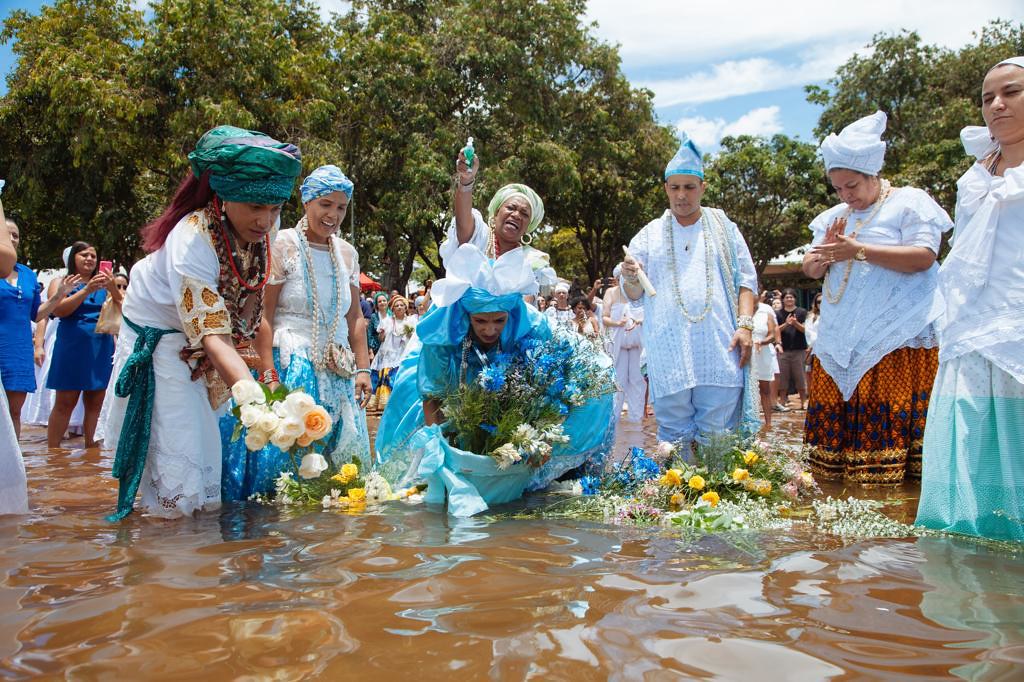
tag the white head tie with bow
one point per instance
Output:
(469, 267)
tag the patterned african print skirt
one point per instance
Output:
(875, 437)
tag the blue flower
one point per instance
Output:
(489, 428)
(591, 485)
(492, 378)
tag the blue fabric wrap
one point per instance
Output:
(324, 180)
(468, 481)
(137, 382)
(750, 404)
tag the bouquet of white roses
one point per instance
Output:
(288, 420)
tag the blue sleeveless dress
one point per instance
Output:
(18, 307)
(82, 359)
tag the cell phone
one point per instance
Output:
(107, 266)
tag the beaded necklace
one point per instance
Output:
(467, 343)
(231, 252)
(233, 288)
(885, 191)
(708, 256)
(318, 354)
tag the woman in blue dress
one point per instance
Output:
(479, 309)
(19, 307)
(82, 359)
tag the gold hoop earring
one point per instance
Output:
(526, 239)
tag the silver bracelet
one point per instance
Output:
(362, 371)
(745, 322)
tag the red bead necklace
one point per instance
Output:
(218, 209)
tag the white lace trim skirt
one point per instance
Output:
(183, 466)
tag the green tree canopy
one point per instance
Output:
(772, 188)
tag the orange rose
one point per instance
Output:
(304, 440)
(317, 423)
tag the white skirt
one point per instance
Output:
(764, 364)
(13, 484)
(37, 406)
(183, 465)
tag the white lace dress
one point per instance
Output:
(293, 333)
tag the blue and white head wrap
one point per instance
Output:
(324, 180)
(687, 161)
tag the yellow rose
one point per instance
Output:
(750, 458)
(740, 474)
(696, 482)
(317, 423)
(711, 497)
(672, 477)
(339, 478)
(357, 494)
(677, 500)
(349, 470)
(763, 487)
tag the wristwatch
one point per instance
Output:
(862, 254)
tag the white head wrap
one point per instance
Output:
(562, 286)
(65, 255)
(858, 147)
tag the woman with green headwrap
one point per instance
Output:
(513, 214)
(191, 313)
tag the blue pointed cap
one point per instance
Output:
(687, 161)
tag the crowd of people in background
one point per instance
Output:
(903, 369)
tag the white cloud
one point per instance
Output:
(708, 132)
(747, 76)
(654, 32)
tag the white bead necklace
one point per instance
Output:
(708, 256)
(318, 354)
(884, 192)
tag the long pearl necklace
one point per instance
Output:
(708, 256)
(318, 354)
(884, 192)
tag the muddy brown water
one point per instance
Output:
(254, 593)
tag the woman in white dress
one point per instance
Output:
(624, 321)
(764, 361)
(973, 469)
(394, 332)
(193, 309)
(318, 338)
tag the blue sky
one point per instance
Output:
(740, 67)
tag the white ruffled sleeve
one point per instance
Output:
(284, 257)
(350, 260)
(748, 273)
(193, 271)
(923, 221)
(481, 233)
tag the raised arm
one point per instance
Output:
(463, 201)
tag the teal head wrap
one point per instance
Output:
(516, 189)
(246, 165)
(687, 161)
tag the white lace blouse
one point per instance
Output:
(881, 310)
(293, 317)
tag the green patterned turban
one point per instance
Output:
(515, 189)
(247, 166)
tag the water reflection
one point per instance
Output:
(257, 592)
